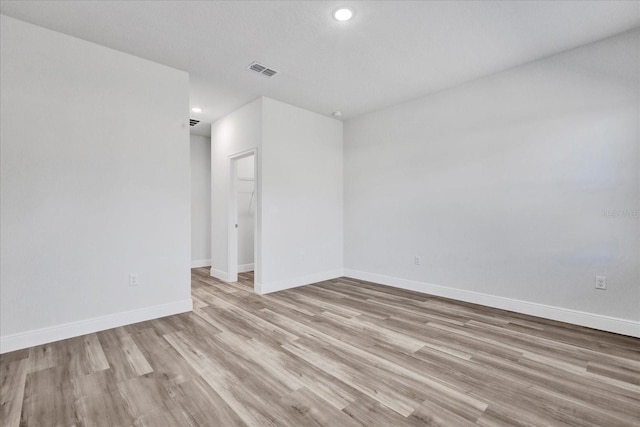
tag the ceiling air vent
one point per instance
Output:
(193, 122)
(262, 69)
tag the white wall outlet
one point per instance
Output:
(417, 260)
(134, 279)
(601, 282)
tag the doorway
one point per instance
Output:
(243, 217)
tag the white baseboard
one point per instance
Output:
(219, 274)
(69, 330)
(280, 285)
(595, 321)
(197, 263)
(243, 268)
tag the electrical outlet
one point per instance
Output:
(416, 260)
(134, 279)
(601, 282)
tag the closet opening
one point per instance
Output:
(243, 203)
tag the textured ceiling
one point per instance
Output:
(392, 51)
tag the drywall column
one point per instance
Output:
(94, 186)
(302, 203)
(236, 132)
(298, 190)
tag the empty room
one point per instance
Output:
(319, 213)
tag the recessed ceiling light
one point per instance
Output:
(337, 114)
(343, 14)
(196, 110)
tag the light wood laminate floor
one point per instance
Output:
(336, 353)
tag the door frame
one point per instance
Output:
(232, 216)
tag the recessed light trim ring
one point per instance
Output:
(343, 14)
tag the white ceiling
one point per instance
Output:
(392, 51)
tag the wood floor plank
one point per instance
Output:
(452, 375)
(144, 396)
(621, 373)
(48, 398)
(259, 362)
(125, 358)
(13, 356)
(248, 391)
(104, 410)
(326, 386)
(13, 375)
(251, 320)
(365, 358)
(204, 405)
(134, 356)
(432, 414)
(307, 409)
(369, 412)
(164, 419)
(593, 393)
(41, 357)
(168, 366)
(387, 394)
(96, 384)
(341, 352)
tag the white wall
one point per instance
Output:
(302, 196)
(200, 201)
(236, 132)
(246, 200)
(94, 186)
(500, 186)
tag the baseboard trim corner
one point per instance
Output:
(219, 274)
(88, 326)
(581, 318)
(198, 263)
(243, 268)
(257, 288)
(281, 285)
